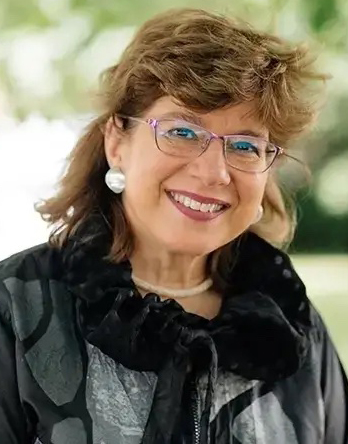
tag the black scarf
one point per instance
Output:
(260, 333)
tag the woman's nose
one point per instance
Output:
(211, 166)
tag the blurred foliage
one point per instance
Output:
(51, 52)
(319, 232)
(72, 28)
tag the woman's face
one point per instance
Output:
(156, 181)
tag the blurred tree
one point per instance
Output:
(63, 42)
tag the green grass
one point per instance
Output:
(326, 279)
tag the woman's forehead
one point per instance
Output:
(238, 117)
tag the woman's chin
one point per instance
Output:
(190, 247)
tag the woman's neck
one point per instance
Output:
(176, 271)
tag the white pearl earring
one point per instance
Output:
(259, 214)
(115, 180)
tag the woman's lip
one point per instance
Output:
(199, 198)
(194, 214)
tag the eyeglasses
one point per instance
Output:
(180, 138)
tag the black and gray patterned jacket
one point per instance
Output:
(85, 360)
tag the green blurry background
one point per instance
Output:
(51, 52)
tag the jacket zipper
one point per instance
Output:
(195, 415)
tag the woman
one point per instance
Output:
(162, 310)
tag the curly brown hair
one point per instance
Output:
(205, 61)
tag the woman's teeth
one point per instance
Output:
(195, 205)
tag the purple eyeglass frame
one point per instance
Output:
(213, 136)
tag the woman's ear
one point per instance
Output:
(112, 140)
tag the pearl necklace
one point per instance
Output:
(173, 293)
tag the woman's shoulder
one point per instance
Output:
(25, 274)
(323, 356)
(31, 263)
(320, 332)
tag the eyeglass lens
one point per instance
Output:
(183, 139)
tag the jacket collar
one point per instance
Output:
(261, 332)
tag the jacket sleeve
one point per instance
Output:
(13, 423)
(334, 386)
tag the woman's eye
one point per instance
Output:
(243, 146)
(184, 133)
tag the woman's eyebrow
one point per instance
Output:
(248, 132)
(184, 115)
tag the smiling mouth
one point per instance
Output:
(196, 205)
